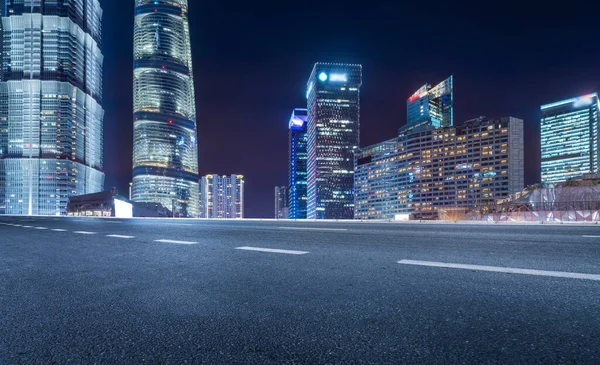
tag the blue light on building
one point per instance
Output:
(297, 164)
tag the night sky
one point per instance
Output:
(252, 61)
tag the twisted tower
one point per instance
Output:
(165, 150)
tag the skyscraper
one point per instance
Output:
(222, 196)
(333, 128)
(281, 202)
(51, 118)
(570, 141)
(165, 149)
(432, 105)
(298, 160)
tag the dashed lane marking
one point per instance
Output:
(84, 232)
(177, 242)
(119, 236)
(271, 250)
(507, 270)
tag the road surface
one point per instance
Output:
(108, 291)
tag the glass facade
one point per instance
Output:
(421, 171)
(222, 197)
(165, 146)
(432, 106)
(51, 118)
(570, 142)
(298, 160)
(333, 129)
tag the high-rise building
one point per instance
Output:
(281, 202)
(570, 141)
(422, 170)
(222, 196)
(333, 128)
(432, 105)
(298, 159)
(165, 148)
(51, 118)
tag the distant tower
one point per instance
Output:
(298, 159)
(51, 118)
(570, 138)
(333, 137)
(165, 149)
(432, 105)
(281, 202)
(222, 196)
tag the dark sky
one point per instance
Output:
(252, 60)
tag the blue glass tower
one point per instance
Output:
(570, 138)
(298, 164)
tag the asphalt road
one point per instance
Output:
(81, 291)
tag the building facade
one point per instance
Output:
(333, 132)
(298, 164)
(432, 105)
(570, 141)
(281, 202)
(421, 171)
(165, 148)
(51, 118)
(222, 196)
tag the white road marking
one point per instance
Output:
(40, 228)
(315, 229)
(272, 250)
(177, 242)
(84, 232)
(591, 236)
(27, 227)
(507, 270)
(118, 236)
(59, 230)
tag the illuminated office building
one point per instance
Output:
(222, 196)
(298, 160)
(333, 128)
(432, 105)
(570, 142)
(51, 118)
(422, 170)
(281, 202)
(165, 149)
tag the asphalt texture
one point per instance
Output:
(70, 294)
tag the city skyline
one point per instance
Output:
(509, 76)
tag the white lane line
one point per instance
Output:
(40, 228)
(272, 250)
(507, 270)
(59, 230)
(177, 242)
(315, 229)
(591, 236)
(27, 227)
(84, 232)
(118, 236)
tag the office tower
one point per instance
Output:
(165, 149)
(222, 196)
(333, 136)
(432, 105)
(420, 171)
(298, 160)
(51, 118)
(281, 202)
(570, 139)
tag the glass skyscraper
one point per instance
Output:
(333, 128)
(570, 142)
(432, 105)
(222, 196)
(298, 160)
(165, 149)
(51, 118)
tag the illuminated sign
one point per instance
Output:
(323, 76)
(338, 78)
(123, 209)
